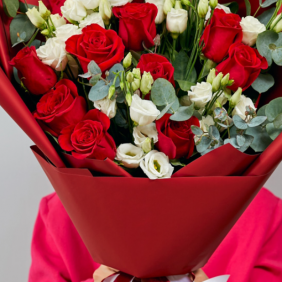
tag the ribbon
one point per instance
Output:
(123, 277)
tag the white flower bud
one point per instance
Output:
(251, 27)
(107, 106)
(90, 4)
(36, 19)
(211, 76)
(146, 83)
(176, 22)
(147, 145)
(213, 3)
(136, 84)
(137, 73)
(129, 155)
(277, 27)
(177, 5)
(43, 11)
(127, 61)
(235, 98)
(156, 165)
(105, 11)
(168, 5)
(94, 18)
(217, 82)
(225, 80)
(130, 77)
(143, 112)
(203, 8)
(200, 94)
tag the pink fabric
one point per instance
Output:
(251, 252)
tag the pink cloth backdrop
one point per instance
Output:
(251, 252)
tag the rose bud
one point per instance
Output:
(37, 77)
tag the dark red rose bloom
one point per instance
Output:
(244, 65)
(176, 139)
(37, 77)
(137, 24)
(223, 30)
(95, 43)
(60, 107)
(158, 66)
(89, 138)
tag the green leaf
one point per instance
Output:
(273, 109)
(263, 82)
(266, 16)
(177, 162)
(99, 91)
(185, 85)
(16, 75)
(120, 95)
(197, 130)
(265, 39)
(261, 138)
(183, 113)
(257, 121)
(248, 141)
(23, 8)
(232, 141)
(120, 118)
(272, 131)
(277, 56)
(278, 121)
(115, 69)
(165, 110)
(36, 43)
(163, 92)
(240, 140)
(20, 24)
(267, 3)
(11, 7)
(94, 79)
(213, 132)
(204, 144)
(93, 68)
(233, 6)
(248, 7)
(239, 122)
(174, 107)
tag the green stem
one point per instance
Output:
(90, 105)
(173, 49)
(257, 11)
(32, 38)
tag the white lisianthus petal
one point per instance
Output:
(206, 122)
(160, 5)
(141, 133)
(176, 21)
(73, 10)
(219, 6)
(200, 94)
(107, 106)
(64, 32)
(156, 165)
(143, 112)
(53, 53)
(240, 108)
(251, 27)
(115, 3)
(57, 20)
(90, 4)
(94, 18)
(129, 155)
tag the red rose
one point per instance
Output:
(158, 66)
(244, 65)
(60, 107)
(95, 43)
(176, 139)
(223, 30)
(137, 24)
(89, 138)
(37, 77)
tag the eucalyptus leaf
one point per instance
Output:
(174, 107)
(248, 7)
(213, 132)
(93, 68)
(257, 121)
(277, 56)
(263, 82)
(85, 75)
(183, 113)
(272, 131)
(163, 92)
(115, 69)
(231, 141)
(278, 121)
(267, 3)
(94, 79)
(204, 144)
(197, 115)
(164, 110)
(239, 122)
(240, 140)
(11, 7)
(197, 130)
(248, 141)
(266, 16)
(99, 91)
(273, 109)
(16, 75)
(261, 138)
(36, 43)
(264, 40)
(20, 24)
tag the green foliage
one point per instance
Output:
(163, 92)
(233, 6)
(11, 7)
(240, 123)
(183, 113)
(263, 83)
(248, 7)
(266, 3)
(265, 17)
(20, 24)
(273, 112)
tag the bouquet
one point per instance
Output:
(184, 93)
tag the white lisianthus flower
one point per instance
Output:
(251, 27)
(90, 4)
(156, 165)
(73, 10)
(240, 108)
(115, 3)
(160, 5)
(141, 133)
(57, 20)
(143, 112)
(200, 94)
(105, 11)
(219, 6)
(64, 32)
(94, 18)
(107, 106)
(206, 122)
(176, 21)
(53, 54)
(36, 19)
(129, 155)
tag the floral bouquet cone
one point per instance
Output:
(152, 137)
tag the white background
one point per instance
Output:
(23, 184)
